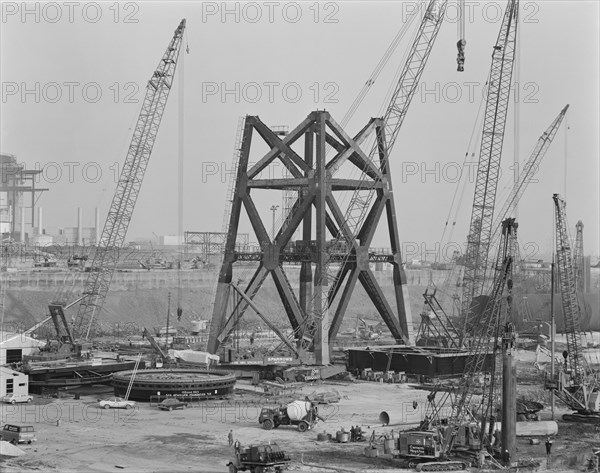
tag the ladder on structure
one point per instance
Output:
(237, 150)
(135, 369)
(233, 173)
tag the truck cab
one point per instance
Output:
(18, 434)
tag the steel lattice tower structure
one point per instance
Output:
(315, 208)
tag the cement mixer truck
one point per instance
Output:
(303, 414)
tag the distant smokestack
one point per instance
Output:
(40, 222)
(97, 225)
(22, 236)
(79, 226)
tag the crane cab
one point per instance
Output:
(594, 401)
(467, 437)
(420, 444)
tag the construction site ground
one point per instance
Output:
(75, 435)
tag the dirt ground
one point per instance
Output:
(78, 436)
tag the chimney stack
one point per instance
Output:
(79, 226)
(40, 222)
(22, 236)
(97, 225)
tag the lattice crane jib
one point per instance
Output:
(527, 174)
(568, 291)
(357, 216)
(398, 106)
(128, 187)
(480, 362)
(408, 82)
(317, 209)
(490, 153)
(578, 260)
(436, 328)
(453, 408)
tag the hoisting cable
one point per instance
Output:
(378, 68)
(462, 183)
(180, 161)
(462, 42)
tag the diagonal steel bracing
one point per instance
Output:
(318, 214)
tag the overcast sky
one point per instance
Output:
(73, 79)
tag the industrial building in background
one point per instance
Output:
(18, 198)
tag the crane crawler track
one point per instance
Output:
(592, 418)
(443, 466)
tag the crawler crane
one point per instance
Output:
(121, 209)
(456, 431)
(576, 385)
(488, 169)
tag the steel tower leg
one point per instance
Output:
(321, 309)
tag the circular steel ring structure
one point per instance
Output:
(185, 384)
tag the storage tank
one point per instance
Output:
(297, 410)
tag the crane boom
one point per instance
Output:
(128, 187)
(484, 344)
(568, 291)
(490, 154)
(576, 386)
(578, 260)
(530, 168)
(416, 61)
(359, 203)
(400, 100)
(396, 111)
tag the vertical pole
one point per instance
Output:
(553, 332)
(238, 316)
(306, 267)
(22, 234)
(321, 341)
(40, 222)
(79, 226)
(509, 396)
(180, 169)
(168, 314)
(273, 209)
(97, 226)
